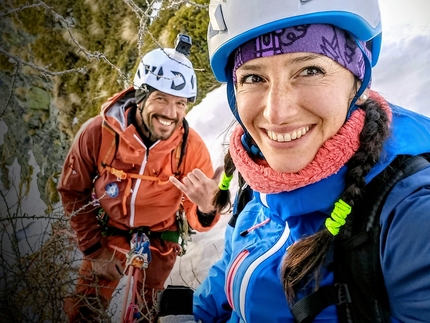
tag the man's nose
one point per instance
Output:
(170, 110)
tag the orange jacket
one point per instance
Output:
(131, 202)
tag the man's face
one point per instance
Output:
(162, 114)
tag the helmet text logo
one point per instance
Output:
(178, 83)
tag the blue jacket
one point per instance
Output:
(244, 285)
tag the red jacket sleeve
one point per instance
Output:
(76, 185)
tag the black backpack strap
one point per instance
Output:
(184, 141)
(359, 292)
(306, 309)
(243, 196)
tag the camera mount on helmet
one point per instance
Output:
(168, 70)
(183, 44)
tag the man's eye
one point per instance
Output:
(311, 71)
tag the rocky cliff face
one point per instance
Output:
(59, 60)
(30, 114)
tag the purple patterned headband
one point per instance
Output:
(327, 40)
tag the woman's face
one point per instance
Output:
(291, 104)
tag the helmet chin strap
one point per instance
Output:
(144, 126)
(364, 83)
(141, 118)
(247, 141)
(141, 95)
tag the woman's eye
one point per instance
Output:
(311, 71)
(250, 79)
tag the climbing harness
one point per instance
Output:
(139, 255)
(137, 259)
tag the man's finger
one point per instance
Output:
(217, 174)
(177, 183)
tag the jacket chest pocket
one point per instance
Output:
(235, 274)
(166, 167)
(232, 276)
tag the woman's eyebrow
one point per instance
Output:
(258, 67)
(250, 67)
(305, 58)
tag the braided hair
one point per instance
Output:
(221, 200)
(304, 259)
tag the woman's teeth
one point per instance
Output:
(281, 137)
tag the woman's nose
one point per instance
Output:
(280, 105)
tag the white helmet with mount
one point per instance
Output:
(169, 70)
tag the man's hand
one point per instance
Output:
(107, 266)
(199, 188)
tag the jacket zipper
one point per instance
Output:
(137, 184)
(254, 264)
(232, 273)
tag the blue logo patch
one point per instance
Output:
(112, 189)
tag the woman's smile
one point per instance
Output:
(288, 136)
(291, 104)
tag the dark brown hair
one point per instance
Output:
(222, 199)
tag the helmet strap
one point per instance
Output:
(143, 92)
(364, 83)
(247, 141)
(141, 95)
(144, 126)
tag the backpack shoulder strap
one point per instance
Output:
(243, 196)
(108, 147)
(359, 292)
(181, 148)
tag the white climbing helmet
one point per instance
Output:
(233, 22)
(169, 70)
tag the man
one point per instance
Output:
(128, 172)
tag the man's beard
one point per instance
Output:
(160, 135)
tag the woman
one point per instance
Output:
(312, 133)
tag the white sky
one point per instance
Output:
(395, 12)
(401, 74)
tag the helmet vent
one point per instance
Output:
(216, 17)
